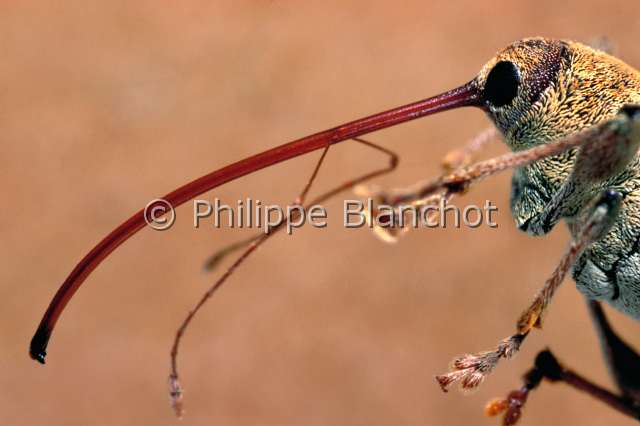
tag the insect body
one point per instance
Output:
(570, 115)
(556, 89)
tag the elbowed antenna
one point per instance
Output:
(466, 95)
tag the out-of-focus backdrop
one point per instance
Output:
(105, 105)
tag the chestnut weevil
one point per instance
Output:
(570, 114)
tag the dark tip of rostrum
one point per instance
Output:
(38, 348)
(38, 356)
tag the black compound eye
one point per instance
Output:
(502, 84)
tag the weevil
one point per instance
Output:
(571, 116)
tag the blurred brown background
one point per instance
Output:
(104, 105)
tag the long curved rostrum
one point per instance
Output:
(465, 95)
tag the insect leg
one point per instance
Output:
(462, 156)
(599, 160)
(622, 360)
(175, 389)
(384, 226)
(472, 369)
(431, 192)
(596, 220)
(547, 367)
(607, 149)
(460, 179)
(593, 223)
